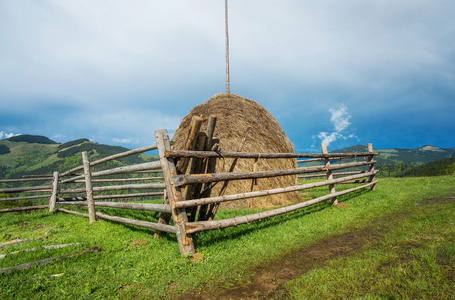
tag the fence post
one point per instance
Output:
(174, 193)
(371, 167)
(329, 173)
(88, 187)
(53, 198)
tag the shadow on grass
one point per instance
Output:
(208, 238)
(211, 237)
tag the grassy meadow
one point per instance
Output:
(405, 248)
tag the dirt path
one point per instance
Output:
(269, 278)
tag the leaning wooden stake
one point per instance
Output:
(371, 167)
(53, 198)
(211, 165)
(214, 207)
(196, 123)
(174, 193)
(197, 166)
(329, 174)
(88, 187)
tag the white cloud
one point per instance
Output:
(125, 140)
(340, 121)
(5, 135)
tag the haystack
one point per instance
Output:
(234, 115)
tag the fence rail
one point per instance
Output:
(193, 168)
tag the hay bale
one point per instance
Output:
(234, 114)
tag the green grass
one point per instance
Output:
(153, 268)
(415, 260)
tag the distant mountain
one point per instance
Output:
(31, 154)
(412, 157)
(32, 139)
(427, 160)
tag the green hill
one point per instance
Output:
(411, 157)
(32, 139)
(434, 168)
(28, 154)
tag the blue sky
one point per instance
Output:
(344, 72)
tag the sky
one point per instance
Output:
(341, 72)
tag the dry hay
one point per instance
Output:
(234, 115)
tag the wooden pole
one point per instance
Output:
(214, 207)
(117, 188)
(88, 187)
(44, 188)
(25, 198)
(275, 191)
(133, 206)
(204, 154)
(23, 208)
(371, 167)
(120, 170)
(191, 141)
(53, 198)
(112, 157)
(228, 90)
(161, 227)
(181, 180)
(179, 214)
(197, 166)
(329, 173)
(111, 196)
(26, 179)
(211, 165)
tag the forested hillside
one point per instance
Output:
(29, 154)
(398, 162)
(411, 157)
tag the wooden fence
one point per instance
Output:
(195, 211)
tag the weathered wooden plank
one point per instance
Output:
(309, 160)
(88, 187)
(117, 188)
(333, 173)
(204, 154)
(212, 145)
(191, 141)
(101, 197)
(26, 198)
(72, 212)
(371, 167)
(166, 208)
(218, 224)
(161, 227)
(174, 194)
(26, 189)
(254, 194)
(214, 207)
(25, 180)
(54, 192)
(122, 179)
(120, 170)
(4, 210)
(180, 180)
(329, 173)
(198, 165)
(112, 157)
